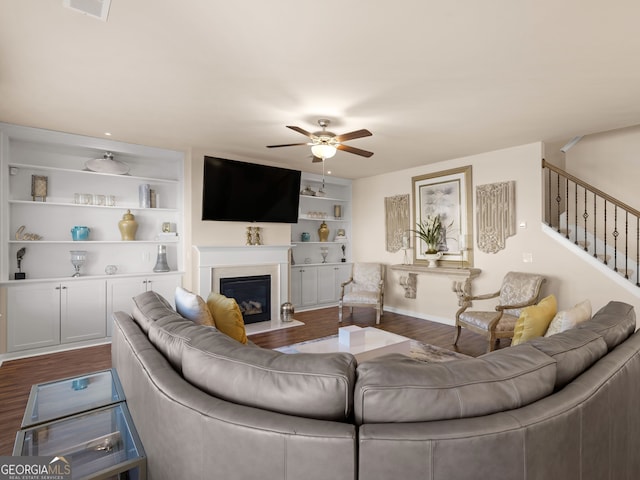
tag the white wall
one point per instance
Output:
(609, 161)
(568, 277)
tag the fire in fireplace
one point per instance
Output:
(252, 294)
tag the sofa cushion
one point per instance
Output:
(193, 307)
(169, 335)
(574, 350)
(227, 316)
(616, 321)
(149, 307)
(534, 320)
(395, 388)
(566, 319)
(308, 385)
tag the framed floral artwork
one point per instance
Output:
(446, 195)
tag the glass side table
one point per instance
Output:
(68, 396)
(100, 444)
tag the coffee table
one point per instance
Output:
(376, 342)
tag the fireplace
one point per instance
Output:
(218, 262)
(252, 294)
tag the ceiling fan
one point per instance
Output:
(325, 143)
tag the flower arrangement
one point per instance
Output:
(429, 232)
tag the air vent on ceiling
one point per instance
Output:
(94, 8)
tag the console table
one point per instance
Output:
(461, 278)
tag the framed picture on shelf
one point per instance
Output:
(447, 195)
(39, 187)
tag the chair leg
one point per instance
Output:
(456, 336)
(377, 316)
(492, 343)
(340, 311)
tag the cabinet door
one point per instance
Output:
(295, 280)
(33, 316)
(343, 273)
(165, 285)
(309, 281)
(120, 291)
(327, 284)
(82, 310)
(304, 286)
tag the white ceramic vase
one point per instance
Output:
(432, 258)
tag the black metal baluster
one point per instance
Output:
(558, 200)
(575, 211)
(615, 238)
(605, 257)
(595, 226)
(626, 245)
(585, 216)
(637, 251)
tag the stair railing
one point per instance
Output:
(603, 225)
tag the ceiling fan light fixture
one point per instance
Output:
(324, 151)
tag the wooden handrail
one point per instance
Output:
(591, 188)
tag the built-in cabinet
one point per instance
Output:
(48, 186)
(319, 267)
(52, 313)
(121, 290)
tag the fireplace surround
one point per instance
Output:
(220, 262)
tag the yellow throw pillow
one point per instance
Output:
(535, 320)
(227, 316)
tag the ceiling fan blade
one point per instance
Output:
(286, 145)
(351, 135)
(355, 150)
(316, 159)
(302, 131)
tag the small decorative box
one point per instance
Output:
(351, 335)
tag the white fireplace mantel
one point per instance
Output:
(215, 262)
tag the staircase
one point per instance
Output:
(597, 223)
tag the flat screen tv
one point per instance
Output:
(248, 192)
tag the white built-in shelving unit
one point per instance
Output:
(76, 313)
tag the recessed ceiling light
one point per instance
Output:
(108, 134)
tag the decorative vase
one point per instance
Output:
(432, 258)
(80, 233)
(128, 226)
(286, 312)
(323, 232)
(161, 261)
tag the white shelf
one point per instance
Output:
(90, 242)
(69, 278)
(78, 205)
(315, 219)
(332, 199)
(319, 243)
(319, 264)
(89, 172)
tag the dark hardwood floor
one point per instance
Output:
(17, 376)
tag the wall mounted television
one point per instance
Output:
(248, 192)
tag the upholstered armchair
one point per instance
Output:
(365, 288)
(518, 290)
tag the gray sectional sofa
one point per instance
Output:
(206, 406)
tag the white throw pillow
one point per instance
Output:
(193, 307)
(566, 319)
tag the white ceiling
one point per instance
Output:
(431, 80)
